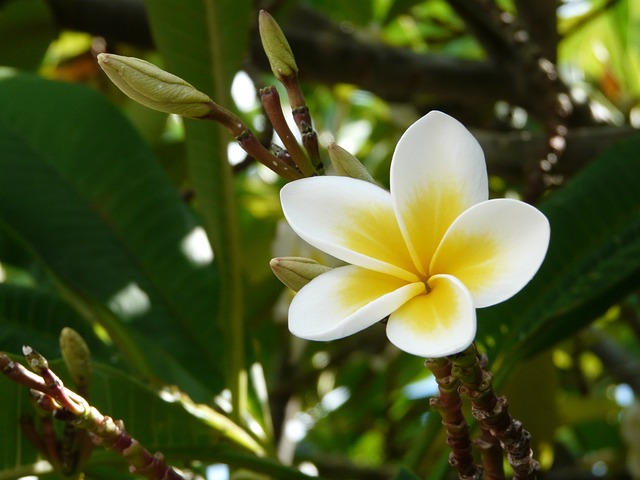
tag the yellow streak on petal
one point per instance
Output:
(427, 214)
(364, 287)
(472, 259)
(433, 313)
(375, 233)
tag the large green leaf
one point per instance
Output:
(593, 259)
(82, 191)
(203, 42)
(35, 316)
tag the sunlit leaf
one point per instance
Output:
(204, 42)
(97, 211)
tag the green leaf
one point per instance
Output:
(399, 7)
(406, 474)
(593, 259)
(82, 191)
(204, 42)
(36, 316)
(26, 30)
(359, 13)
(17, 451)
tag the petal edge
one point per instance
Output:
(437, 172)
(346, 300)
(495, 248)
(350, 219)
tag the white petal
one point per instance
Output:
(350, 219)
(438, 171)
(494, 248)
(439, 323)
(346, 300)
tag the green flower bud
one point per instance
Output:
(153, 87)
(347, 165)
(76, 356)
(296, 272)
(276, 46)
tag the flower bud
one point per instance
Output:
(296, 272)
(276, 46)
(77, 357)
(347, 165)
(153, 87)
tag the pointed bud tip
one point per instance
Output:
(276, 47)
(296, 272)
(347, 165)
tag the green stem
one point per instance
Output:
(212, 182)
(222, 224)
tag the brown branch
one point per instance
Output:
(324, 55)
(540, 20)
(115, 20)
(491, 452)
(105, 430)
(485, 20)
(493, 414)
(449, 404)
(327, 54)
(621, 364)
(395, 74)
(514, 154)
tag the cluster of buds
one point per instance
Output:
(160, 90)
(85, 426)
(68, 452)
(157, 89)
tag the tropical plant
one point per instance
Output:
(135, 245)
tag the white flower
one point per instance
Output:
(426, 255)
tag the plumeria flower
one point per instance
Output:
(426, 254)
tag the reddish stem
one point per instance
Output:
(449, 404)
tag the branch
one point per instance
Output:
(540, 20)
(53, 396)
(515, 154)
(324, 53)
(115, 20)
(492, 413)
(329, 55)
(621, 364)
(449, 404)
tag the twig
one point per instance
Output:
(272, 106)
(449, 404)
(105, 431)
